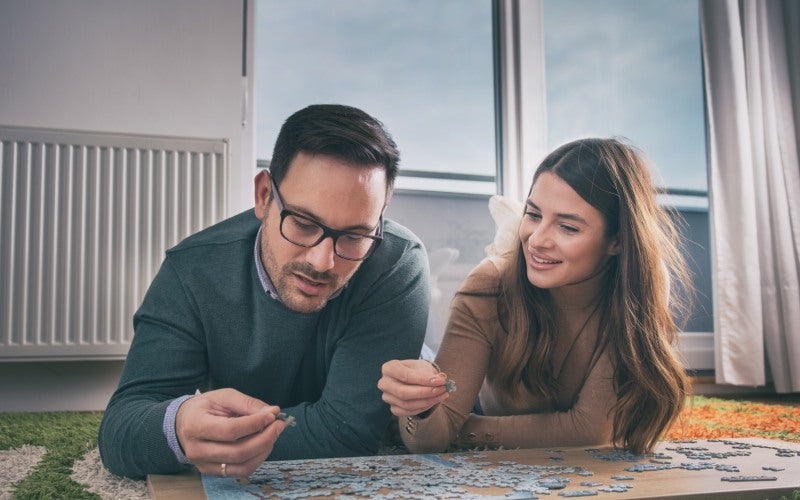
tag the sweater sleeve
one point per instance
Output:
(166, 360)
(464, 356)
(467, 349)
(587, 423)
(387, 322)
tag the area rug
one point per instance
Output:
(712, 418)
(54, 455)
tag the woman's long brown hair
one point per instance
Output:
(647, 289)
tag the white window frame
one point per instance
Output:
(522, 100)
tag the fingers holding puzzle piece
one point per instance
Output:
(288, 419)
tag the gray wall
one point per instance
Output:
(696, 233)
(461, 222)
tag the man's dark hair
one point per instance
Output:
(344, 132)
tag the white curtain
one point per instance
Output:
(750, 57)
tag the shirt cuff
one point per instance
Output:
(169, 428)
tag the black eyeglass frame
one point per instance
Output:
(326, 231)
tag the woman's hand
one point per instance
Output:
(412, 386)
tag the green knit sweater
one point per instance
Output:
(207, 323)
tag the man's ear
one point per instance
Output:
(263, 190)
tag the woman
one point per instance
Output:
(566, 340)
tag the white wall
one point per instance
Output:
(152, 67)
(148, 67)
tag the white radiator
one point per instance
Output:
(85, 219)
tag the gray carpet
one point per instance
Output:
(15, 465)
(89, 471)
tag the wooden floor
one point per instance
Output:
(705, 385)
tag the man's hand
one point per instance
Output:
(411, 386)
(227, 427)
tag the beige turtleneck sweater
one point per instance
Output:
(581, 414)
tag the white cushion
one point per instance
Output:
(507, 214)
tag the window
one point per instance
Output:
(631, 68)
(424, 68)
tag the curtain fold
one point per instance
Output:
(751, 70)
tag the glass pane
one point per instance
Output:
(629, 68)
(424, 68)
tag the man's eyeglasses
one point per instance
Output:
(306, 232)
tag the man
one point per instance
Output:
(295, 304)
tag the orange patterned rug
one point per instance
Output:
(711, 418)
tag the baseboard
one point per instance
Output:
(706, 386)
(57, 386)
(696, 350)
